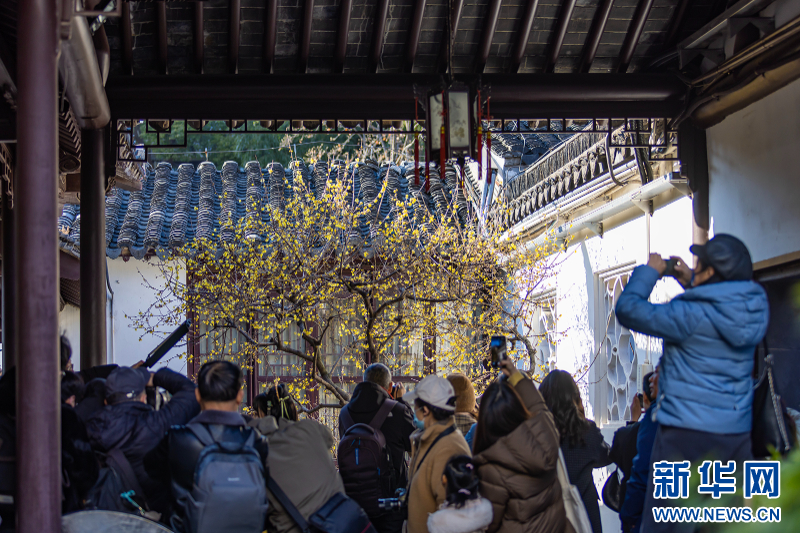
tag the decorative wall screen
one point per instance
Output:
(547, 324)
(619, 347)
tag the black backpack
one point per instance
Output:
(365, 462)
(230, 490)
(117, 488)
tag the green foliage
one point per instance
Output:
(788, 502)
(264, 147)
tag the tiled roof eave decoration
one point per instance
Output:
(129, 174)
(175, 208)
(571, 166)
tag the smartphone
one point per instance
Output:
(670, 270)
(497, 350)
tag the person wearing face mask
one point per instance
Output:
(434, 443)
(704, 405)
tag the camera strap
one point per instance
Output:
(287, 504)
(444, 433)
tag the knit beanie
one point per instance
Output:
(465, 393)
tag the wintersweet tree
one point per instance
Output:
(378, 278)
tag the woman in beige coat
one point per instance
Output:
(432, 447)
(516, 452)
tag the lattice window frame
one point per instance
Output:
(546, 307)
(614, 372)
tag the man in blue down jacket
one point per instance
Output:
(710, 332)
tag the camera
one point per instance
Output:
(497, 350)
(670, 270)
(390, 504)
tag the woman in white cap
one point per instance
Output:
(433, 444)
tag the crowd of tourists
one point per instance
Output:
(433, 459)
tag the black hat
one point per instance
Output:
(728, 255)
(125, 384)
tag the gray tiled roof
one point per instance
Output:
(528, 143)
(175, 207)
(569, 166)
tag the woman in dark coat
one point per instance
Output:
(581, 441)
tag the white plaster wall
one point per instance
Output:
(69, 324)
(129, 282)
(126, 346)
(670, 234)
(754, 181)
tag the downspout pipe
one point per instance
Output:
(82, 77)
(111, 355)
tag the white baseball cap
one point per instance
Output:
(435, 391)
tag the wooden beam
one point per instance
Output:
(389, 96)
(525, 27)
(161, 36)
(233, 36)
(595, 34)
(305, 36)
(378, 32)
(564, 16)
(489, 27)
(634, 33)
(127, 39)
(199, 37)
(676, 23)
(345, 10)
(441, 63)
(413, 35)
(270, 33)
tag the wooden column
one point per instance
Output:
(36, 263)
(93, 250)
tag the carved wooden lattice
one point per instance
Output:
(547, 329)
(619, 348)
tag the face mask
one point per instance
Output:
(419, 423)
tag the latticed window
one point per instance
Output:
(342, 350)
(215, 343)
(545, 319)
(274, 363)
(617, 371)
(618, 351)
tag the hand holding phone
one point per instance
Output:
(497, 350)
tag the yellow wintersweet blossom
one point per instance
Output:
(315, 288)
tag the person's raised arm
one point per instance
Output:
(673, 321)
(530, 395)
(183, 405)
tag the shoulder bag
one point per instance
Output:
(772, 427)
(573, 504)
(339, 514)
(612, 492)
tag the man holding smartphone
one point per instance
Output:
(704, 405)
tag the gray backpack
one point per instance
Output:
(229, 492)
